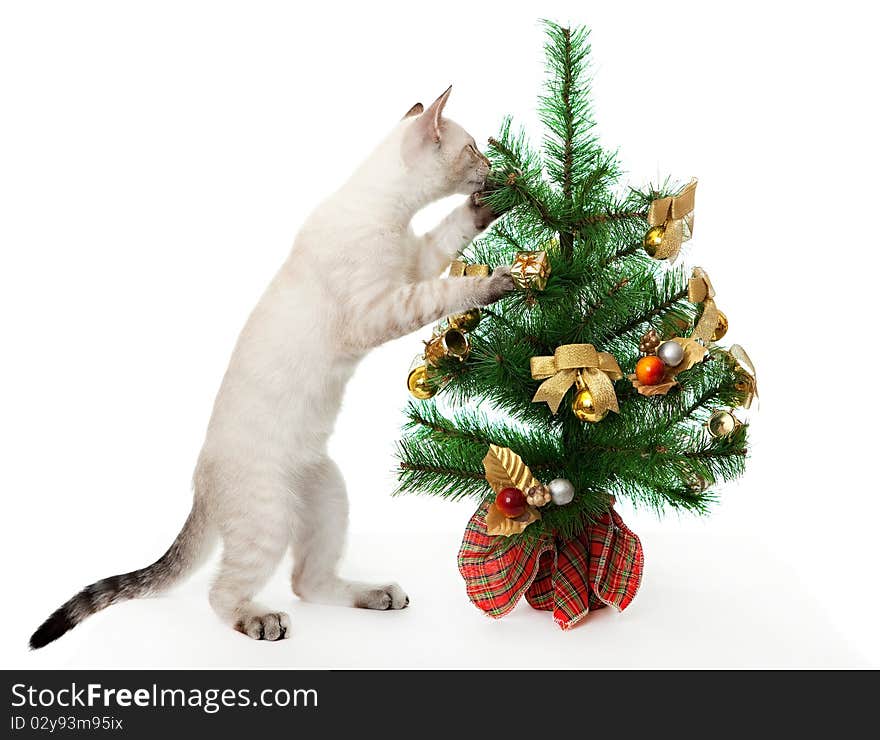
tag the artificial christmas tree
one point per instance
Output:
(595, 379)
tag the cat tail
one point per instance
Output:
(186, 553)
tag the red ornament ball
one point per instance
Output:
(511, 502)
(650, 370)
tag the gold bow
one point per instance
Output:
(460, 268)
(700, 290)
(598, 369)
(675, 213)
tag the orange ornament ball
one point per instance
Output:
(650, 370)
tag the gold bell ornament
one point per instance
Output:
(449, 343)
(583, 405)
(722, 423)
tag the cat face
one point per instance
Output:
(440, 155)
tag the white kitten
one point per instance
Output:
(357, 277)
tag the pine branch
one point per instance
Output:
(448, 431)
(708, 453)
(708, 395)
(648, 315)
(569, 117)
(438, 470)
(596, 305)
(601, 218)
(622, 253)
(504, 149)
(662, 450)
(566, 238)
(541, 208)
(530, 338)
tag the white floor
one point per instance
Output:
(719, 602)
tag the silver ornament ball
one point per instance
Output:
(561, 491)
(672, 353)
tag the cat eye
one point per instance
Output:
(478, 154)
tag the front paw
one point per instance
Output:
(272, 627)
(382, 598)
(498, 284)
(482, 214)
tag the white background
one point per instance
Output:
(156, 160)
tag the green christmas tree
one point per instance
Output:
(604, 289)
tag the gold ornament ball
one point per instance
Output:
(653, 239)
(418, 384)
(466, 320)
(720, 328)
(721, 424)
(585, 408)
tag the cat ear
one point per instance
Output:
(423, 134)
(414, 111)
(434, 115)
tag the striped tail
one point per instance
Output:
(183, 556)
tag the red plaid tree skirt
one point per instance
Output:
(600, 567)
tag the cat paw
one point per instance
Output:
(272, 627)
(482, 214)
(391, 596)
(498, 284)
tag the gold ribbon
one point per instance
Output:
(675, 214)
(700, 290)
(750, 384)
(460, 268)
(598, 369)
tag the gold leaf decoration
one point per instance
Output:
(658, 389)
(505, 469)
(694, 352)
(498, 524)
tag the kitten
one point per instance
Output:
(357, 276)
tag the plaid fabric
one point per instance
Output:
(600, 567)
